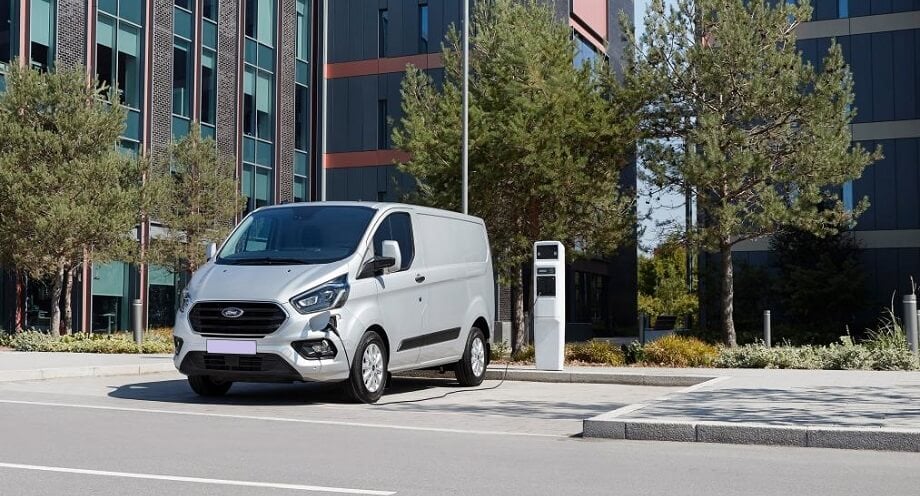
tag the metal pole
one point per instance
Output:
(766, 328)
(915, 342)
(466, 104)
(136, 322)
(910, 321)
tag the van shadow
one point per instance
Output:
(267, 394)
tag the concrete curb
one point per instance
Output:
(528, 375)
(90, 371)
(610, 426)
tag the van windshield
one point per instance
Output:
(297, 235)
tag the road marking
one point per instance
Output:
(196, 480)
(283, 419)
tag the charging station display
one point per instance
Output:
(549, 306)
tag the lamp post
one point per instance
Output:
(466, 104)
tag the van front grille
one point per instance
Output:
(253, 320)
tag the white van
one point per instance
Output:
(339, 291)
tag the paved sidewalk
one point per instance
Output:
(840, 409)
(19, 366)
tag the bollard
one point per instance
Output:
(136, 321)
(766, 328)
(910, 321)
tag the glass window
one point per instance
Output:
(264, 105)
(396, 227)
(185, 4)
(209, 9)
(105, 48)
(132, 10)
(305, 233)
(383, 28)
(843, 8)
(129, 67)
(423, 28)
(182, 78)
(249, 101)
(848, 196)
(301, 117)
(208, 86)
(300, 189)
(585, 51)
(41, 32)
(263, 190)
(303, 30)
(9, 32)
(260, 21)
(383, 125)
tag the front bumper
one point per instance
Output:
(275, 359)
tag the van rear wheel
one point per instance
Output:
(471, 369)
(368, 376)
(207, 386)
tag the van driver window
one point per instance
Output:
(396, 227)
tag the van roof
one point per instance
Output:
(378, 206)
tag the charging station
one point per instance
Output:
(549, 304)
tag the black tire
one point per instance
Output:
(473, 357)
(206, 386)
(355, 387)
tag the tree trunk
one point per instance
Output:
(728, 297)
(56, 290)
(518, 326)
(68, 300)
(19, 314)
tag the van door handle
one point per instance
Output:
(419, 278)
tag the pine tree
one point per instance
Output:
(547, 140)
(64, 184)
(758, 135)
(192, 192)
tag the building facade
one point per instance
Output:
(300, 93)
(880, 40)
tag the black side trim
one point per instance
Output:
(430, 339)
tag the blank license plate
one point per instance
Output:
(234, 347)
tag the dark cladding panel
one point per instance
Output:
(905, 74)
(865, 187)
(907, 170)
(337, 115)
(368, 18)
(882, 72)
(885, 200)
(861, 65)
(335, 184)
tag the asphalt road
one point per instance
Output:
(150, 435)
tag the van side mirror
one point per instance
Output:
(210, 251)
(376, 266)
(391, 250)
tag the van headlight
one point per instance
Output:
(326, 296)
(184, 301)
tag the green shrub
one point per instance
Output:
(31, 341)
(837, 356)
(680, 351)
(6, 338)
(595, 352)
(158, 341)
(526, 355)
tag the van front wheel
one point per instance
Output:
(471, 369)
(368, 375)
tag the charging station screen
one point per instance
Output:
(546, 285)
(547, 252)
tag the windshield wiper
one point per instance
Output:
(265, 261)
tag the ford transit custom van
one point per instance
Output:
(339, 291)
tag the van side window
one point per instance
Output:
(396, 227)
